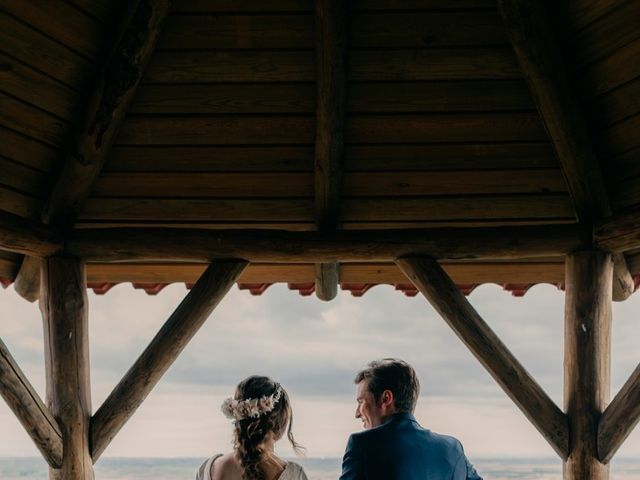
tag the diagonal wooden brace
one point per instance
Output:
(429, 277)
(165, 347)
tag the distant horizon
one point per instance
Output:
(314, 349)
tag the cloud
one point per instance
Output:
(315, 348)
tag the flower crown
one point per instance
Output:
(251, 407)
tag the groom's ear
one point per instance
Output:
(387, 399)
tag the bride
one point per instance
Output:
(261, 413)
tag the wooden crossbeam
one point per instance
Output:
(433, 282)
(331, 66)
(165, 347)
(25, 403)
(529, 26)
(279, 246)
(97, 127)
(620, 418)
(620, 232)
(20, 235)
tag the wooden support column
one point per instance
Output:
(165, 347)
(433, 282)
(587, 355)
(25, 403)
(63, 301)
(331, 65)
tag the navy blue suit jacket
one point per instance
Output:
(400, 449)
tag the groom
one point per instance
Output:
(393, 445)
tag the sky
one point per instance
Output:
(314, 349)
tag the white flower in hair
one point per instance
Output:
(250, 407)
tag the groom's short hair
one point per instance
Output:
(395, 375)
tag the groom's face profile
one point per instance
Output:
(371, 413)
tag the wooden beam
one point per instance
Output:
(98, 126)
(165, 347)
(587, 358)
(620, 418)
(331, 65)
(25, 403)
(537, 50)
(20, 235)
(63, 302)
(432, 281)
(529, 26)
(618, 233)
(279, 246)
(106, 109)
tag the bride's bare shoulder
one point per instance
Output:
(226, 467)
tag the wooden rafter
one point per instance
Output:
(529, 26)
(32, 413)
(97, 127)
(280, 246)
(20, 235)
(331, 66)
(165, 347)
(433, 282)
(620, 418)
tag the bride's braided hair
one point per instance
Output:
(250, 433)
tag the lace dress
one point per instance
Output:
(292, 471)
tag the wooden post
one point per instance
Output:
(64, 311)
(586, 359)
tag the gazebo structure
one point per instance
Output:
(429, 144)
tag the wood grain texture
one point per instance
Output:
(62, 22)
(365, 209)
(331, 32)
(526, 273)
(41, 52)
(223, 6)
(619, 418)
(17, 234)
(368, 30)
(355, 184)
(310, 247)
(31, 86)
(612, 71)
(606, 35)
(620, 232)
(536, 47)
(165, 347)
(28, 151)
(66, 336)
(32, 122)
(587, 358)
(617, 105)
(105, 110)
(29, 409)
(450, 303)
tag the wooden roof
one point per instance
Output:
(443, 125)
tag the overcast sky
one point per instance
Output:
(314, 349)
